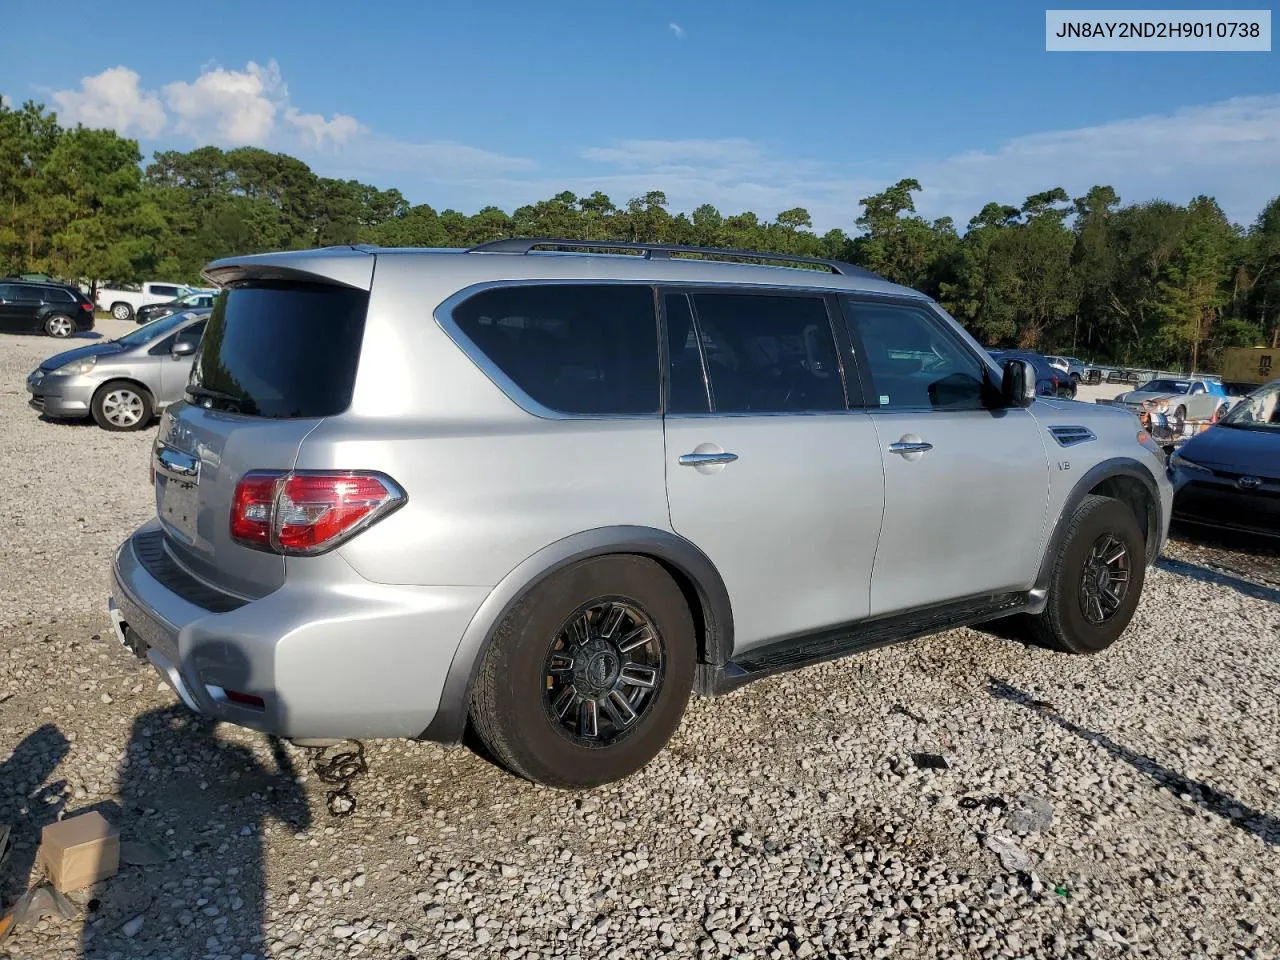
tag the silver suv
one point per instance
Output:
(552, 493)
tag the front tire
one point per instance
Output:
(1096, 581)
(60, 326)
(588, 676)
(119, 406)
(121, 311)
(1179, 419)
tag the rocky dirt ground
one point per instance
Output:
(1135, 796)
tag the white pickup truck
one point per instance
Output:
(123, 302)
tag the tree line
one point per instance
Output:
(1156, 282)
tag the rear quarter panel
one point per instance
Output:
(488, 484)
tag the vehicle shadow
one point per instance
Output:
(28, 804)
(1262, 825)
(1206, 575)
(1235, 540)
(199, 806)
(86, 335)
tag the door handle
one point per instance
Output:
(706, 459)
(910, 446)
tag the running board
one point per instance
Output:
(793, 653)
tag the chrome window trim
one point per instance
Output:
(443, 315)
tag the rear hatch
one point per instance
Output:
(279, 354)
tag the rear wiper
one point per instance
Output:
(208, 394)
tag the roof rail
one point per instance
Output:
(665, 251)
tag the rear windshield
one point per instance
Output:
(280, 350)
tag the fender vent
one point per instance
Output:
(1070, 436)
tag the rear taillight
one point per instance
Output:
(87, 307)
(308, 511)
(252, 508)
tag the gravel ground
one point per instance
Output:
(1134, 795)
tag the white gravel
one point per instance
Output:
(1140, 787)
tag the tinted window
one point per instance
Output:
(190, 334)
(149, 331)
(914, 361)
(164, 291)
(24, 291)
(574, 348)
(686, 381)
(1166, 386)
(281, 350)
(8, 291)
(57, 295)
(768, 354)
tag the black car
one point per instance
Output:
(1050, 381)
(154, 311)
(1229, 475)
(51, 308)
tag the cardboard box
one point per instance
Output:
(80, 851)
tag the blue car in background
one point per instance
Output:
(1050, 381)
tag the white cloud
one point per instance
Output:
(316, 130)
(229, 107)
(114, 99)
(5, 101)
(1226, 149)
(678, 30)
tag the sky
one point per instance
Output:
(745, 105)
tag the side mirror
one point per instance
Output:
(1018, 388)
(183, 348)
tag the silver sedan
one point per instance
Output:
(121, 383)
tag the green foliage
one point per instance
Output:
(1151, 283)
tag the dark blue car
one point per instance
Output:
(1229, 475)
(1050, 381)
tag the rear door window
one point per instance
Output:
(281, 350)
(586, 349)
(171, 292)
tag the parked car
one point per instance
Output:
(192, 301)
(1229, 475)
(53, 309)
(1179, 400)
(551, 495)
(121, 383)
(1050, 381)
(1071, 366)
(122, 302)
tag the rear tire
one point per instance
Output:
(60, 326)
(119, 406)
(527, 706)
(121, 311)
(1091, 601)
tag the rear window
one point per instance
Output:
(280, 350)
(574, 348)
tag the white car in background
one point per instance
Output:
(1180, 399)
(123, 302)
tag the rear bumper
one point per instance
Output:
(338, 658)
(61, 396)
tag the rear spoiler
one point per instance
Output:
(346, 266)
